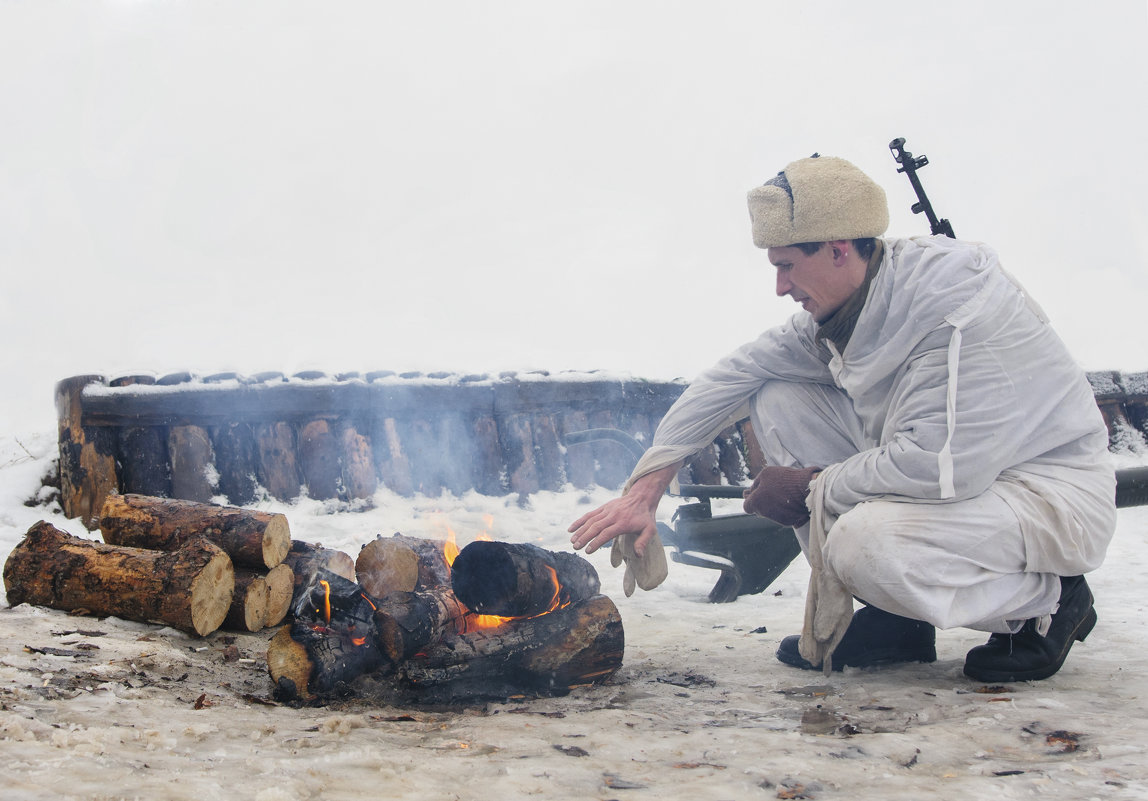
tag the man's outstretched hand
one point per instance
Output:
(633, 513)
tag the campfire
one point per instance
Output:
(427, 622)
(409, 620)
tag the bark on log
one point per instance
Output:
(408, 621)
(275, 451)
(145, 466)
(234, 446)
(189, 448)
(319, 460)
(402, 564)
(359, 479)
(548, 655)
(87, 454)
(252, 539)
(393, 465)
(487, 457)
(280, 592)
(520, 580)
(189, 589)
(248, 611)
(579, 458)
(306, 560)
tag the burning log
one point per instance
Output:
(407, 621)
(520, 580)
(403, 564)
(307, 560)
(189, 589)
(429, 645)
(331, 641)
(252, 539)
(548, 655)
(248, 611)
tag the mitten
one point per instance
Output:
(646, 571)
(779, 494)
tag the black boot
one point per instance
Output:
(874, 637)
(1027, 656)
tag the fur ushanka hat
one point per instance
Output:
(818, 199)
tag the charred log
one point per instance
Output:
(580, 645)
(408, 621)
(400, 563)
(307, 559)
(520, 580)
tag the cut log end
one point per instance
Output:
(290, 665)
(211, 594)
(280, 589)
(276, 540)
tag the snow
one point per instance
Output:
(462, 189)
(700, 708)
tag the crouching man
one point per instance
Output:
(927, 434)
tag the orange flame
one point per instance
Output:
(359, 640)
(326, 600)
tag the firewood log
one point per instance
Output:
(189, 589)
(407, 621)
(87, 454)
(548, 655)
(402, 564)
(189, 447)
(520, 580)
(280, 591)
(306, 559)
(248, 611)
(250, 538)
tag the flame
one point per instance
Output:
(363, 595)
(326, 600)
(359, 640)
(450, 549)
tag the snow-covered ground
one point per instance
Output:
(700, 708)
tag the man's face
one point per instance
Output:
(821, 282)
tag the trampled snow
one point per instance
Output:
(700, 709)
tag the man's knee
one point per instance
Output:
(863, 546)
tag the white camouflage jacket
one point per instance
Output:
(960, 384)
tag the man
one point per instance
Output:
(937, 450)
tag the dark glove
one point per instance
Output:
(779, 494)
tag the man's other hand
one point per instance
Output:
(779, 494)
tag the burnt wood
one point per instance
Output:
(519, 579)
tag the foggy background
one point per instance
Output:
(474, 187)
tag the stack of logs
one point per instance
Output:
(428, 623)
(193, 566)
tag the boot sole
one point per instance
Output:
(1083, 629)
(880, 660)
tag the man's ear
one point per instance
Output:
(840, 251)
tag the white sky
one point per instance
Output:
(363, 185)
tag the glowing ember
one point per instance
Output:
(358, 640)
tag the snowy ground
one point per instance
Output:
(106, 709)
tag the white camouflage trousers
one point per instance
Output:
(955, 564)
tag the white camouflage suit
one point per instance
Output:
(965, 462)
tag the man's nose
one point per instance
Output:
(784, 285)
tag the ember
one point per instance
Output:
(502, 620)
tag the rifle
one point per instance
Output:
(909, 165)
